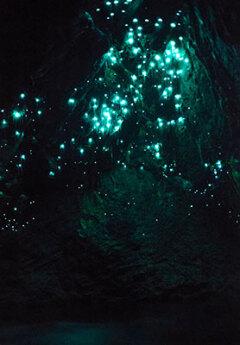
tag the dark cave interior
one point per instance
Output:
(120, 165)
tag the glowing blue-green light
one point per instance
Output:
(22, 96)
(4, 122)
(130, 40)
(157, 155)
(181, 119)
(177, 97)
(39, 112)
(73, 140)
(134, 77)
(37, 100)
(17, 133)
(17, 114)
(51, 173)
(90, 140)
(62, 146)
(71, 101)
(157, 57)
(173, 25)
(23, 157)
(82, 151)
(136, 50)
(125, 110)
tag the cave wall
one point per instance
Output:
(135, 235)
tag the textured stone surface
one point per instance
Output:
(130, 239)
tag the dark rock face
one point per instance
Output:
(135, 236)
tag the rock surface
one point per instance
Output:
(134, 237)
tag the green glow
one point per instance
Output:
(136, 50)
(71, 101)
(17, 114)
(181, 119)
(62, 146)
(22, 96)
(134, 77)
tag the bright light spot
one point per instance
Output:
(134, 77)
(17, 114)
(130, 40)
(181, 120)
(71, 101)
